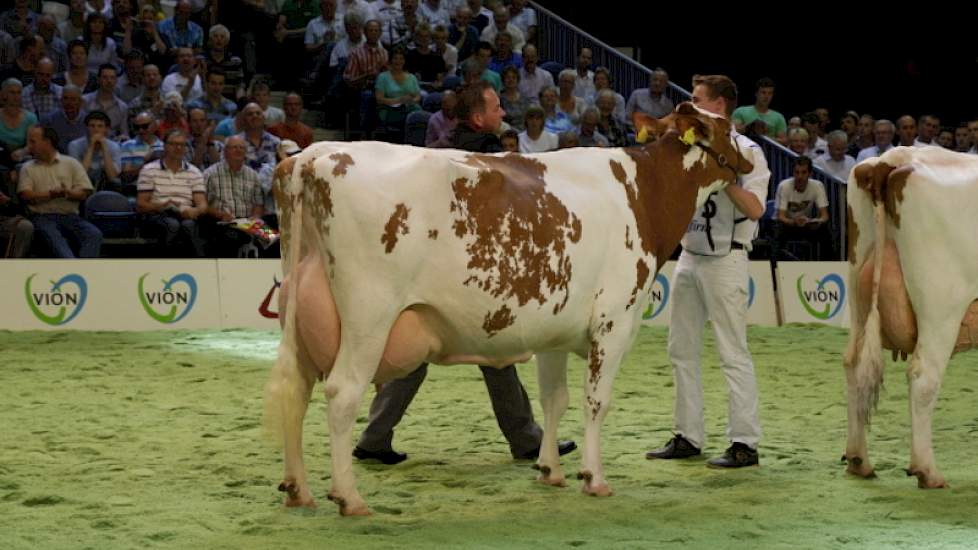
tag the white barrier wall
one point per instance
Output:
(190, 294)
(761, 305)
(814, 292)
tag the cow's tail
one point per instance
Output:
(869, 365)
(287, 391)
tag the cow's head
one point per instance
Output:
(702, 141)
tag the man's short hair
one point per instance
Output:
(798, 132)
(105, 66)
(810, 117)
(718, 85)
(136, 53)
(472, 100)
(483, 45)
(216, 71)
(50, 135)
(219, 29)
(804, 161)
(171, 132)
(510, 134)
(764, 82)
(98, 115)
(837, 135)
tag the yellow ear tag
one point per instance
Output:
(688, 137)
(643, 135)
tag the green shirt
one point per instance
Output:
(774, 120)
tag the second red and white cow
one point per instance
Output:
(913, 249)
(397, 256)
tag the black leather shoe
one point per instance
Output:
(677, 447)
(737, 455)
(563, 447)
(388, 457)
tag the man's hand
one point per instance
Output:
(225, 216)
(189, 213)
(57, 193)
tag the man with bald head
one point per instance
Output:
(43, 96)
(233, 191)
(262, 146)
(152, 98)
(906, 129)
(533, 79)
(68, 121)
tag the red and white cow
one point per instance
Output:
(397, 255)
(913, 249)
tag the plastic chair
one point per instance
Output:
(112, 213)
(432, 102)
(416, 127)
(553, 68)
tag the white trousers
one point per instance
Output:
(715, 288)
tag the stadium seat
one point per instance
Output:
(416, 127)
(112, 213)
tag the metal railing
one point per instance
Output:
(560, 41)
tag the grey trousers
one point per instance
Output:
(509, 401)
(15, 236)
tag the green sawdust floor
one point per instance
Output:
(153, 440)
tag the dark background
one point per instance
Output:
(919, 59)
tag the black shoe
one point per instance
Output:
(737, 455)
(563, 447)
(388, 457)
(677, 447)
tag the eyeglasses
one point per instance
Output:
(142, 126)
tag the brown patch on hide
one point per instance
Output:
(343, 161)
(397, 223)
(498, 320)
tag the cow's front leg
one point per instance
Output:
(603, 362)
(355, 367)
(552, 376)
(924, 377)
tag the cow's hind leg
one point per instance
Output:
(552, 376)
(924, 375)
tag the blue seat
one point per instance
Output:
(432, 102)
(451, 82)
(553, 68)
(416, 127)
(112, 213)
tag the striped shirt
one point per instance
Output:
(235, 192)
(134, 152)
(166, 185)
(365, 61)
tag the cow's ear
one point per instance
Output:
(691, 129)
(646, 127)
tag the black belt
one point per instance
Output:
(736, 246)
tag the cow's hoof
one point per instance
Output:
(549, 477)
(296, 497)
(597, 489)
(859, 467)
(924, 481)
(350, 507)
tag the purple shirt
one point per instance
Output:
(440, 130)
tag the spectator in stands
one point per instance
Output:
(864, 136)
(122, 17)
(587, 133)
(386, 11)
(19, 21)
(233, 191)
(397, 92)
(25, 63)
(568, 102)
(802, 207)
(483, 55)
(8, 49)
(514, 103)
(74, 26)
(152, 98)
(99, 155)
(16, 231)
(435, 12)
(172, 196)
(973, 128)
(14, 119)
(793, 123)
(101, 7)
(292, 127)
(603, 81)
(555, 120)
(353, 27)
(500, 18)
(174, 115)
(324, 30)
(204, 149)
(143, 35)
(533, 79)
(653, 100)
(53, 185)
(448, 52)
(53, 46)
(906, 131)
(816, 145)
(537, 139)
(836, 162)
(568, 140)
(367, 61)
(946, 139)
(141, 149)
(583, 77)
(400, 30)
(219, 56)
(798, 141)
(849, 124)
(68, 122)
(504, 55)
(962, 139)
(462, 34)
(930, 126)
(424, 62)
(883, 131)
(824, 119)
(510, 141)
(262, 94)
(42, 97)
(129, 86)
(761, 109)
(233, 125)
(289, 34)
(608, 123)
(524, 18)
(480, 16)
(441, 125)
(102, 48)
(262, 146)
(187, 78)
(78, 73)
(213, 102)
(180, 32)
(104, 99)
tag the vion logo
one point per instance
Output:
(170, 302)
(59, 304)
(659, 295)
(825, 299)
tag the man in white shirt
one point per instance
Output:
(186, 79)
(584, 85)
(500, 18)
(836, 162)
(803, 208)
(883, 134)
